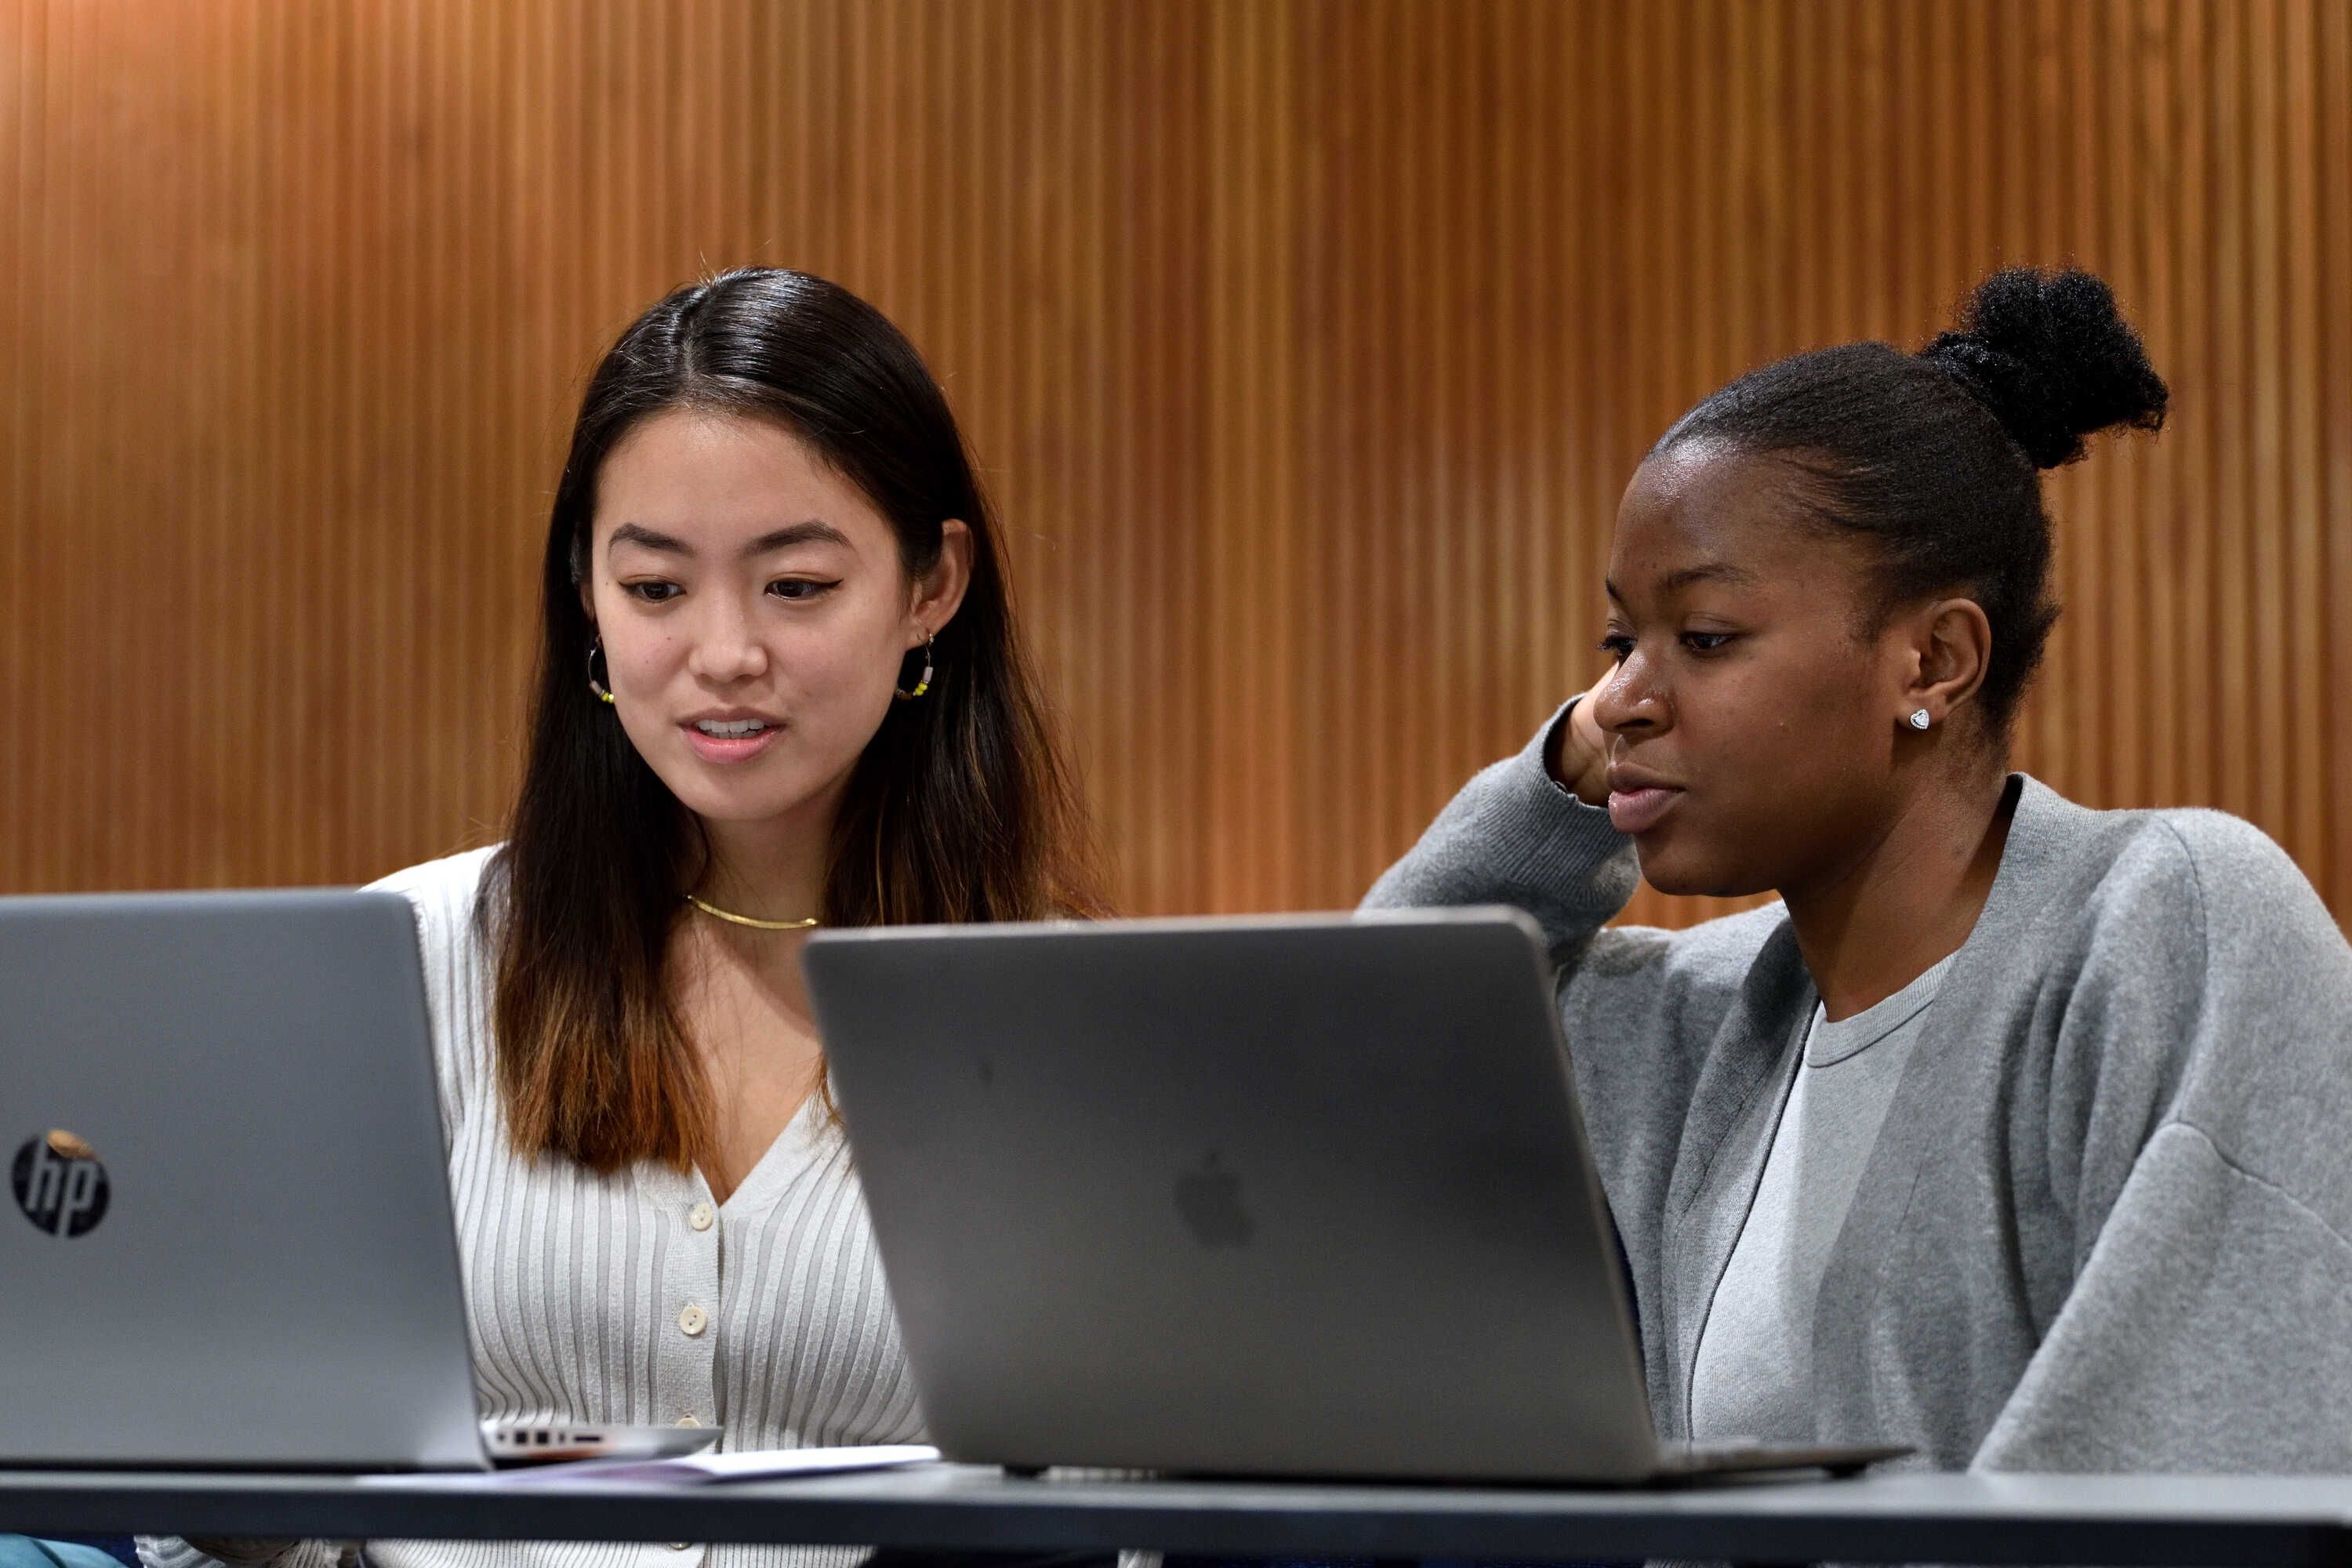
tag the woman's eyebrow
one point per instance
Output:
(1707, 572)
(638, 533)
(813, 531)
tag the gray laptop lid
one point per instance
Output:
(257, 1267)
(1303, 1195)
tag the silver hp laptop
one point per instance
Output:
(1303, 1195)
(229, 1240)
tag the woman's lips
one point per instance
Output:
(1640, 810)
(730, 748)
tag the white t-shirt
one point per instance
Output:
(1753, 1374)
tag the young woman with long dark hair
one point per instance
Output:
(2013, 1132)
(779, 686)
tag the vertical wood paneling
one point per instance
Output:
(1306, 345)
(2331, 348)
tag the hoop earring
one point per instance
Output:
(595, 646)
(920, 686)
(1920, 720)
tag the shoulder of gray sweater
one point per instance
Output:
(2242, 885)
(2077, 864)
(2230, 851)
(2245, 1016)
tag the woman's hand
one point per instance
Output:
(1578, 754)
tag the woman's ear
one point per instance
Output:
(939, 593)
(1951, 651)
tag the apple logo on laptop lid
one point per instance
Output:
(1209, 1199)
(59, 1184)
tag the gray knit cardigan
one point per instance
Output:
(2108, 1225)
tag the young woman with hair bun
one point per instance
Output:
(2013, 1132)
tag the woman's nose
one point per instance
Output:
(1630, 700)
(726, 648)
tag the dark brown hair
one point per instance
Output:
(1936, 456)
(960, 808)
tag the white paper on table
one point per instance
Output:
(702, 1470)
(754, 1465)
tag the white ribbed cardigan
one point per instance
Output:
(582, 1292)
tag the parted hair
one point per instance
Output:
(960, 808)
(1936, 456)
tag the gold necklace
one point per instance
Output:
(733, 919)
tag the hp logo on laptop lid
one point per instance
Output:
(59, 1184)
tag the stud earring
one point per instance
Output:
(1920, 720)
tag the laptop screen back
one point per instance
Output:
(229, 1242)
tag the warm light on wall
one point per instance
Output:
(1306, 347)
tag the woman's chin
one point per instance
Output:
(744, 806)
(1683, 870)
(750, 796)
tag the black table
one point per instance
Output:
(2118, 1520)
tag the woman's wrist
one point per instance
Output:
(1576, 753)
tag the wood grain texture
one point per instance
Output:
(1305, 344)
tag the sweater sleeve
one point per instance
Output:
(1513, 836)
(2200, 1087)
(1638, 1007)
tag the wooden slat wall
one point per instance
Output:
(1307, 343)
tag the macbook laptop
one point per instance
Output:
(1288, 1197)
(229, 1240)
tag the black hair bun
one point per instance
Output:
(2050, 355)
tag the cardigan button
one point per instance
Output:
(692, 1321)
